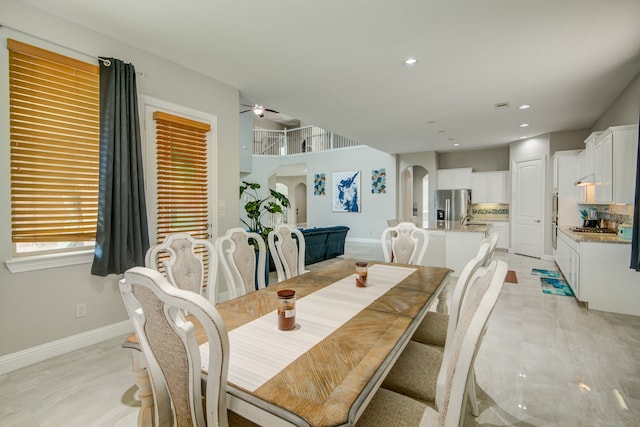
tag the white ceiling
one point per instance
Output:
(338, 64)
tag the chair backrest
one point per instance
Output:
(408, 243)
(392, 222)
(238, 259)
(479, 302)
(171, 351)
(185, 267)
(492, 239)
(461, 287)
(287, 254)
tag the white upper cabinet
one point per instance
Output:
(614, 157)
(489, 187)
(452, 179)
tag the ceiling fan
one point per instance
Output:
(258, 110)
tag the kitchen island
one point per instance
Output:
(452, 244)
(596, 266)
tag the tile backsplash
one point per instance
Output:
(490, 211)
(621, 214)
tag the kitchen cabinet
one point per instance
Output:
(599, 273)
(489, 187)
(452, 179)
(584, 193)
(568, 260)
(502, 229)
(614, 157)
(589, 144)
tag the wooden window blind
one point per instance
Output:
(182, 176)
(54, 127)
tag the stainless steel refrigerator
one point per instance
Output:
(452, 205)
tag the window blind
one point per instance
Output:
(54, 126)
(182, 176)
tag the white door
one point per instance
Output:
(528, 204)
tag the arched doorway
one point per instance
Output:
(415, 193)
(300, 197)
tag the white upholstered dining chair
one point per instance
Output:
(397, 403)
(287, 251)
(492, 240)
(171, 352)
(240, 260)
(437, 327)
(404, 243)
(189, 263)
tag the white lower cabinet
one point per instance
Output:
(599, 274)
(568, 259)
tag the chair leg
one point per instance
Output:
(471, 393)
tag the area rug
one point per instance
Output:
(555, 287)
(546, 273)
(511, 277)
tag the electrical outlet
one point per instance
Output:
(81, 309)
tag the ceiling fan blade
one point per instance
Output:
(245, 105)
(245, 111)
(273, 111)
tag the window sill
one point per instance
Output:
(42, 262)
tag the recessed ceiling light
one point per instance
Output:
(524, 107)
(456, 145)
(441, 131)
(410, 62)
(524, 125)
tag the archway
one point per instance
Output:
(414, 189)
(300, 197)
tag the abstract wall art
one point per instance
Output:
(319, 184)
(378, 181)
(346, 191)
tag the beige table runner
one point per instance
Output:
(258, 350)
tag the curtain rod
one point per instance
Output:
(97, 58)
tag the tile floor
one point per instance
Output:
(545, 361)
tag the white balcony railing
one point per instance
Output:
(300, 140)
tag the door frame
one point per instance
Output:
(543, 216)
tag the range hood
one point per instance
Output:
(586, 180)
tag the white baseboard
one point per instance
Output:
(32, 355)
(362, 240)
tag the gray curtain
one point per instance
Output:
(635, 233)
(122, 234)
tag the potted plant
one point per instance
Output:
(256, 207)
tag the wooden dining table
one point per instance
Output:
(325, 371)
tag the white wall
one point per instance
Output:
(376, 208)
(624, 110)
(38, 307)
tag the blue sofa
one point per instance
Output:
(324, 243)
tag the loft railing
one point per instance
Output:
(301, 140)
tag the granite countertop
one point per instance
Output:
(593, 237)
(473, 227)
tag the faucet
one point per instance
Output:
(464, 220)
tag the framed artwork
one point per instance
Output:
(319, 184)
(346, 191)
(378, 181)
